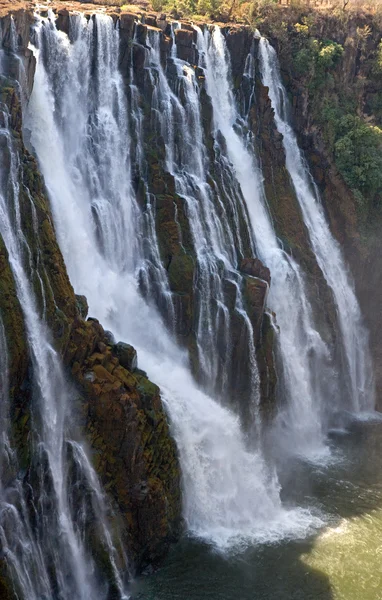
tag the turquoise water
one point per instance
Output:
(340, 561)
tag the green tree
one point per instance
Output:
(358, 154)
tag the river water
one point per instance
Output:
(340, 561)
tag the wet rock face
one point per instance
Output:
(15, 34)
(135, 457)
(63, 20)
(172, 225)
(82, 306)
(185, 42)
(255, 268)
(126, 355)
(239, 41)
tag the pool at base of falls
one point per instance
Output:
(340, 561)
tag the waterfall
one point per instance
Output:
(216, 241)
(43, 538)
(302, 351)
(229, 492)
(357, 379)
(44, 535)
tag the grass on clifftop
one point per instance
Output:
(334, 59)
(253, 12)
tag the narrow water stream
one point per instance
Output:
(340, 561)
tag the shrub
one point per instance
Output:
(358, 154)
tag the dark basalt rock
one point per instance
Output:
(63, 20)
(185, 41)
(141, 34)
(150, 20)
(254, 267)
(82, 306)
(255, 294)
(239, 41)
(126, 355)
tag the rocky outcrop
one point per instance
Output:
(255, 268)
(122, 417)
(185, 43)
(15, 35)
(239, 41)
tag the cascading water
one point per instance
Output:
(217, 245)
(42, 537)
(228, 491)
(303, 352)
(357, 373)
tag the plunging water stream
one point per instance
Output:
(303, 352)
(357, 372)
(42, 538)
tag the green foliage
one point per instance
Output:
(157, 5)
(223, 10)
(263, 9)
(208, 7)
(328, 53)
(303, 62)
(377, 66)
(263, 6)
(314, 59)
(302, 29)
(355, 144)
(358, 154)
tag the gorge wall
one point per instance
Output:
(218, 300)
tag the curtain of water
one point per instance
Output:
(229, 493)
(43, 537)
(215, 235)
(357, 372)
(303, 353)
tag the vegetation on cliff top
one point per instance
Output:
(333, 61)
(254, 11)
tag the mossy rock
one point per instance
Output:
(127, 355)
(13, 321)
(267, 366)
(181, 274)
(6, 588)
